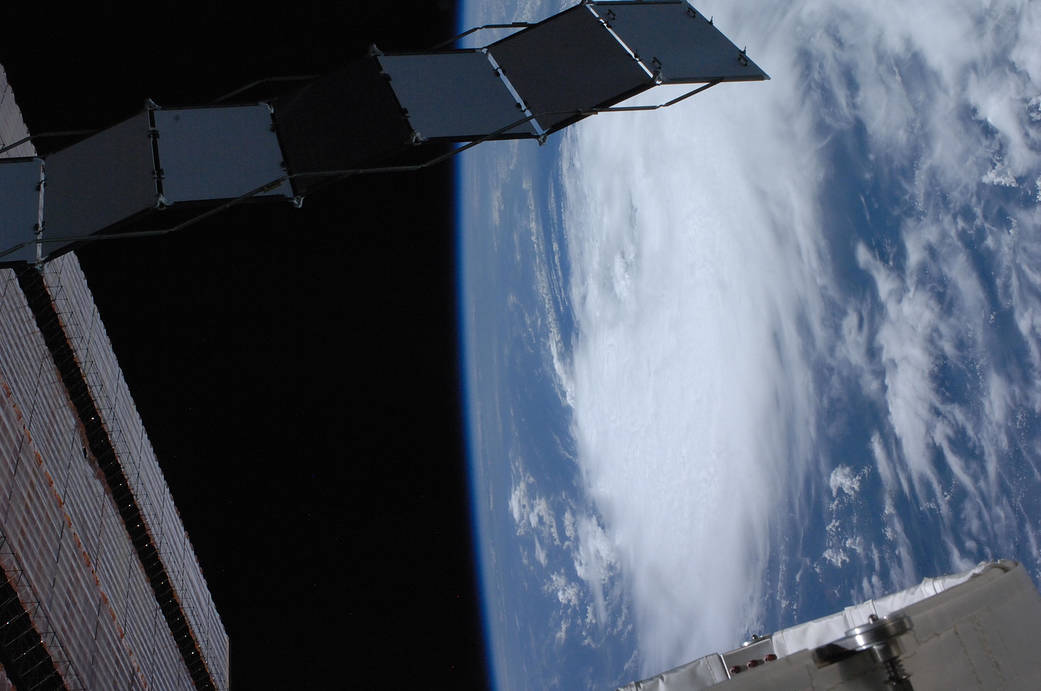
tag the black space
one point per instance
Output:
(297, 370)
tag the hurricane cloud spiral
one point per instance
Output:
(770, 351)
(808, 319)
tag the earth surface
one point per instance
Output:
(744, 361)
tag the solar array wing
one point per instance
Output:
(376, 114)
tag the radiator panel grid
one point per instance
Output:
(119, 416)
(82, 579)
(12, 127)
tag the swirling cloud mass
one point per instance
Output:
(810, 302)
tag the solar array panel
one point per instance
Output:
(678, 43)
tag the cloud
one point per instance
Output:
(747, 267)
(595, 563)
(682, 307)
(844, 480)
(779, 289)
(533, 514)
